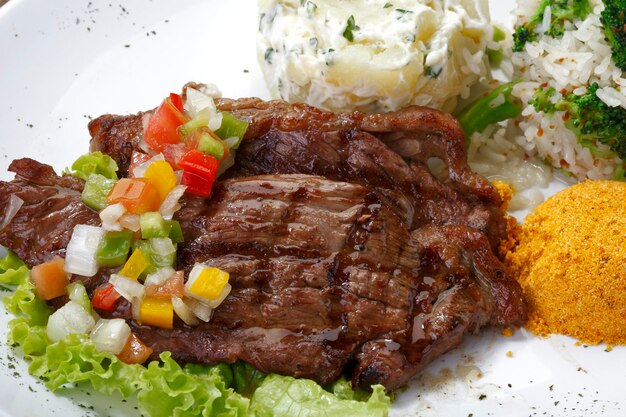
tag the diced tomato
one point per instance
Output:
(138, 195)
(177, 101)
(50, 279)
(136, 159)
(174, 286)
(163, 126)
(105, 298)
(173, 153)
(199, 172)
(135, 351)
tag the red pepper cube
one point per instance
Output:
(196, 184)
(162, 128)
(138, 195)
(105, 298)
(199, 172)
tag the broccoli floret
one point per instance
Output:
(589, 117)
(541, 100)
(562, 11)
(522, 35)
(613, 18)
(494, 107)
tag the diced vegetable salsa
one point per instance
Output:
(187, 140)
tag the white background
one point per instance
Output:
(64, 61)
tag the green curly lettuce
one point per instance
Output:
(164, 388)
(281, 396)
(94, 163)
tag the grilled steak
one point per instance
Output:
(52, 207)
(327, 276)
(387, 153)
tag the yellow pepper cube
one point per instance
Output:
(210, 283)
(157, 312)
(162, 176)
(136, 264)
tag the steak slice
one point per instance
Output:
(52, 207)
(326, 276)
(388, 153)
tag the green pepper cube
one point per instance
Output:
(113, 251)
(156, 261)
(95, 191)
(208, 144)
(153, 225)
(232, 127)
(201, 120)
(176, 232)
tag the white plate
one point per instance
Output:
(64, 61)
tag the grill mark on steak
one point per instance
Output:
(285, 138)
(323, 273)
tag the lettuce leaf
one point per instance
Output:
(164, 388)
(282, 396)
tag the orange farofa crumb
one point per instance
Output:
(571, 263)
(506, 193)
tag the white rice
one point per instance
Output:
(517, 151)
(572, 63)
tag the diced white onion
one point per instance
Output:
(15, 204)
(69, 319)
(80, 256)
(215, 122)
(145, 121)
(3, 251)
(110, 335)
(194, 274)
(170, 205)
(231, 141)
(111, 215)
(130, 221)
(197, 101)
(200, 310)
(159, 277)
(140, 170)
(228, 162)
(136, 309)
(162, 246)
(78, 294)
(211, 90)
(128, 288)
(184, 312)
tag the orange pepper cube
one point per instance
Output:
(158, 312)
(138, 195)
(162, 176)
(210, 283)
(50, 279)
